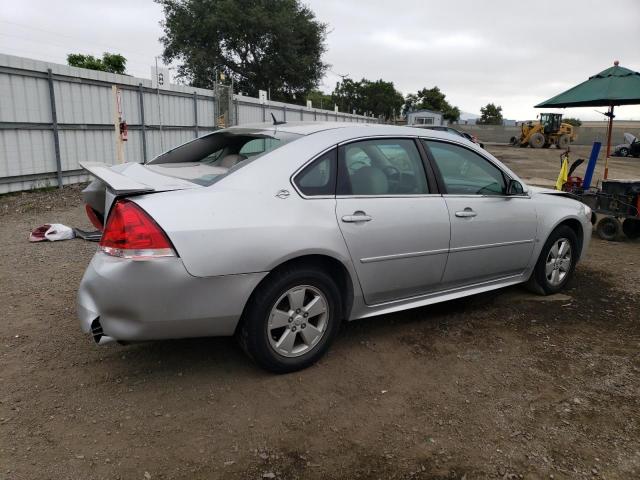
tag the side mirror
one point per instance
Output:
(514, 187)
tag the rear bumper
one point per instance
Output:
(159, 299)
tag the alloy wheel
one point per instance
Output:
(558, 262)
(298, 320)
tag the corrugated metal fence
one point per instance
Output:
(54, 116)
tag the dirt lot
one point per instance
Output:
(541, 167)
(503, 385)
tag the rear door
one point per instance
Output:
(492, 234)
(395, 226)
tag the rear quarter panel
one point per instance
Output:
(219, 231)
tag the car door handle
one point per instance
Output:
(358, 216)
(467, 212)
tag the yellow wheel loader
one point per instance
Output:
(548, 131)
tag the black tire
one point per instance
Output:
(623, 152)
(537, 140)
(564, 141)
(608, 228)
(631, 228)
(253, 333)
(538, 282)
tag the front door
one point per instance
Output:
(492, 234)
(397, 232)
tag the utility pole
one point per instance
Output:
(216, 105)
(159, 107)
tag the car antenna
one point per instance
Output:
(277, 122)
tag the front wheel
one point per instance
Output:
(556, 263)
(623, 152)
(537, 140)
(564, 141)
(291, 319)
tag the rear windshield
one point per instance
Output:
(206, 159)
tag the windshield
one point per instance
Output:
(206, 159)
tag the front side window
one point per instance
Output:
(465, 172)
(318, 178)
(381, 167)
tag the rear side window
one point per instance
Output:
(318, 178)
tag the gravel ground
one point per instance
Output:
(503, 385)
(541, 166)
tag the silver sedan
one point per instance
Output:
(277, 233)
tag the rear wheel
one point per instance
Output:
(556, 263)
(291, 319)
(537, 140)
(608, 228)
(631, 228)
(623, 152)
(564, 141)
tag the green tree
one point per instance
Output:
(319, 99)
(490, 115)
(576, 122)
(347, 95)
(379, 97)
(431, 99)
(275, 44)
(110, 62)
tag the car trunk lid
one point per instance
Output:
(131, 178)
(128, 179)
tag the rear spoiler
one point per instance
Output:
(120, 184)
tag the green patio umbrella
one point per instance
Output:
(611, 87)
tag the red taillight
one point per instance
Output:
(95, 221)
(131, 233)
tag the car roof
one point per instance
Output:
(309, 128)
(300, 128)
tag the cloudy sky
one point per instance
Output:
(515, 54)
